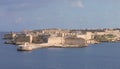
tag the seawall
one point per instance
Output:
(29, 47)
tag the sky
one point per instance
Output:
(18, 15)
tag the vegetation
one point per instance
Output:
(104, 38)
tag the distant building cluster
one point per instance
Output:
(64, 37)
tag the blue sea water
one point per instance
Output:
(97, 56)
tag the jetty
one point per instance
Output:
(30, 47)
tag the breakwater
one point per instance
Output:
(29, 47)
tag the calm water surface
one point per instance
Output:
(98, 56)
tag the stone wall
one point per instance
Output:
(67, 41)
(55, 40)
(75, 41)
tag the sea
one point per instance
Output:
(96, 56)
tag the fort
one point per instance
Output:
(60, 38)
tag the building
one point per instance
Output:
(9, 36)
(66, 41)
(86, 36)
(55, 40)
(22, 38)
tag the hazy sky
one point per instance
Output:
(16, 15)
